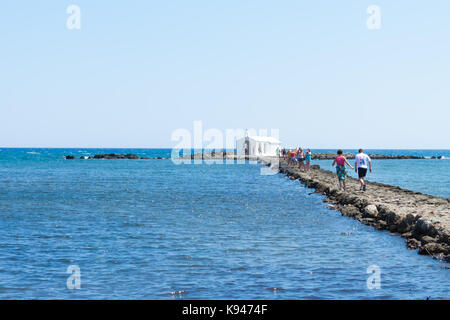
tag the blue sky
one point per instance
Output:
(138, 70)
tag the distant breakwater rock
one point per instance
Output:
(113, 156)
(116, 156)
(422, 219)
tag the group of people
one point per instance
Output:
(362, 163)
(303, 159)
(298, 156)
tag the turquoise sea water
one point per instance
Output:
(149, 229)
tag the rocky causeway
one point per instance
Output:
(423, 220)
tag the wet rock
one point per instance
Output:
(368, 221)
(315, 167)
(427, 239)
(413, 243)
(381, 225)
(392, 228)
(406, 224)
(432, 248)
(445, 238)
(320, 189)
(350, 211)
(332, 192)
(371, 211)
(424, 227)
(69, 157)
(391, 218)
(344, 198)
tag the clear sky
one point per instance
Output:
(138, 70)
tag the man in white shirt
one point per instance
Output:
(362, 161)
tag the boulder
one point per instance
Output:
(432, 248)
(69, 157)
(445, 237)
(371, 211)
(381, 225)
(344, 198)
(424, 227)
(392, 228)
(350, 211)
(406, 224)
(391, 218)
(413, 243)
(427, 239)
(368, 221)
(320, 188)
(407, 235)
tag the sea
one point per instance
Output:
(154, 229)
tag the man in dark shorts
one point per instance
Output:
(362, 162)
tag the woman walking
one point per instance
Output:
(294, 156)
(341, 161)
(308, 159)
(290, 156)
(301, 158)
